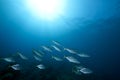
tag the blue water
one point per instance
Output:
(99, 36)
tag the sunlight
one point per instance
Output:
(46, 9)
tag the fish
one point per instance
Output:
(37, 53)
(79, 67)
(72, 59)
(41, 66)
(9, 59)
(57, 58)
(86, 71)
(70, 51)
(76, 70)
(41, 52)
(56, 48)
(56, 43)
(15, 67)
(46, 49)
(37, 58)
(22, 56)
(83, 55)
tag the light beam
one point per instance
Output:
(45, 9)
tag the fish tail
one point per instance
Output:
(1, 58)
(52, 56)
(16, 54)
(64, 48)
(64, 56)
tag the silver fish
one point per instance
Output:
(56, 48)
(15, 67)
(86, 71)
(37, 58)
(72, 59)
(46, 48)
(37, 53)
(70, 51)
(57, 58)
(41, 66)
(22, 56)
(83, 55)
(8, 59)
(56, 43)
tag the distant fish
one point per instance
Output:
(41, 52)
(56, 48)
(83, 55)
(15, 67)
(41, 66)
(8, 59)
(22, 56)
(37, 58)
(70, 51)
(57, 58)
(86, 71)
(37, 53)
(77, 72)
(47, 48)
(77, 69)
(56, 43)
(72, 59)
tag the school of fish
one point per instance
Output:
(56, 46)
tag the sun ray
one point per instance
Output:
(45, 8)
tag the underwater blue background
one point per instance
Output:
(93, 28)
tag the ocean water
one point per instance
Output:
(92, 28)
